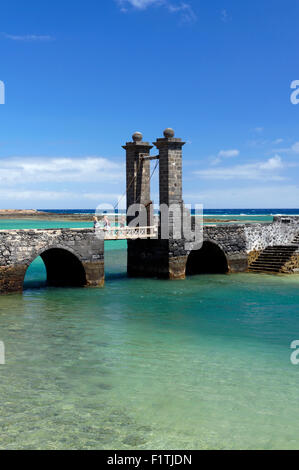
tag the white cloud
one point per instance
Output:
(185, 9)
(20, 195)
(224, 16)
(224, 154)
(140, 4)
(73, 198)
(252, 171)
(294, 149)
(28, 37)
(228, 153)
(60, 182)
(273, 163)
(280, 196)
(38, 170)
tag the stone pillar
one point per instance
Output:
(162, 257)
(138, 192)
(12, 278)
(170, 178)
(170, 153)
(138, 172)
(95, 273)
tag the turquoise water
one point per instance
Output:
(145, 364)
(238, 219)
(11, 224)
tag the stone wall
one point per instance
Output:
(292, 266)
(281, 232)
(18, 248)
(242, 243)
(232, 240)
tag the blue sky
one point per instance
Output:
(81, 77)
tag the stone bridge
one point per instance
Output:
(75, 257)
(226, 249)
(72, 257)
(243, 243)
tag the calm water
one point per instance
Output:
(147, 364)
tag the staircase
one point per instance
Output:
(296, 240)
(273, 258)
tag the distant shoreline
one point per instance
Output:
(32, 214)
(40, 215)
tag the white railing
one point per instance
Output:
(126, 233)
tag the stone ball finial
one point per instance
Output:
(168, 133)
(137, 137)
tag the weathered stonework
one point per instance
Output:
(292, 266)
(12, 278)
(163, 258)
(241, 244)
(137, 172)
(253, 256)
(74, 256)
(232, 240)
(282, 231)
(177, 267)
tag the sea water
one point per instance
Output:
(146, 364)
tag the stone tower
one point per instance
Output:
(138, 172)
(165, 256)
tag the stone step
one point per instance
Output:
(277, 255)
(273, 259)
(279, 249)
(283, 248)
(263, 263)
(282, 254)
(260, 271)
(264, 266)
(263, 270)
(277, 259)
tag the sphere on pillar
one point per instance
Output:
(137, 137)
(169, 133)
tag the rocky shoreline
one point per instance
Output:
(12, 214)
(33, 214)
(40, 215)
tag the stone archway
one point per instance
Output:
(210, 259)
(63, 268)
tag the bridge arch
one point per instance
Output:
(210, 259)
(63, 266)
